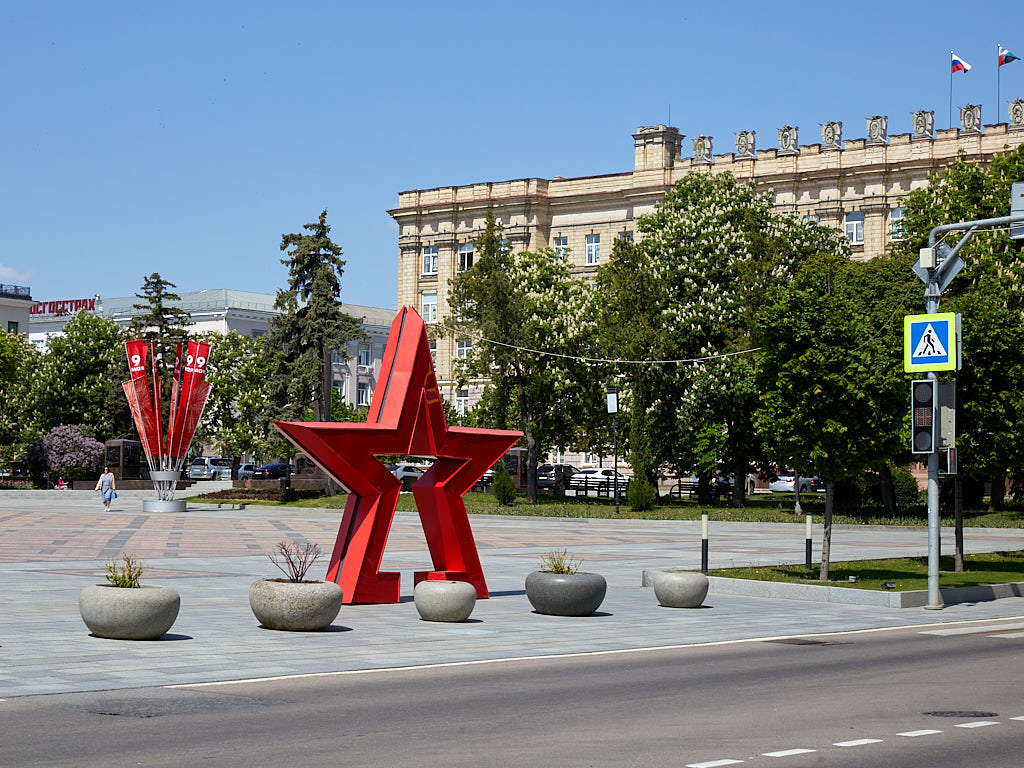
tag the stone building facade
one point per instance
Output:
(853, 184)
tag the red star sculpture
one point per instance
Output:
(405, 417)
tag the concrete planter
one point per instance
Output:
(138, 613)
(444, 600)
(565, 594)
(304, 606)
(680, 589)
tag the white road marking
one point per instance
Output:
(925, 732)
(713, 764)
(1006, 634)
(976, 724)
(856, 742)
(1017, 718)
(972, 630)
(788, 752)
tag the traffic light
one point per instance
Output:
(923, 407)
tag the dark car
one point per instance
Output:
(269, 471)
(555, 475)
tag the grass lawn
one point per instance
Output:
(761, 508)
(908, 573)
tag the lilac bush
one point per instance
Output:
(70, 453)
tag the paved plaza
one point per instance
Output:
(54, 543)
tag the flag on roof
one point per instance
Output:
(959, 65)
(1005, 57)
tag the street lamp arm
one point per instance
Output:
(972, 225)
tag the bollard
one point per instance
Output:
(704, 541)
(807, 543)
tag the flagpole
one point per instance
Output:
(949, 122)
(999, 72)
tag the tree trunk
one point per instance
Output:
(826, 536)
(739, 483)
(704, 487)
(888, 492)
(997, 495)
(958, 518)
(532, 456)
(324, 406)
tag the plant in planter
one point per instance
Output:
(559, 588)
(125, 609)
(295, 603)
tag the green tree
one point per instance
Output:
(828, 377)
(237, 373)
(713, 249)
(78, 379)
(528, 317)
(311, 326)
(158, 320)
(988, 294)
(18, 360)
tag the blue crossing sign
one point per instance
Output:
(931, 342)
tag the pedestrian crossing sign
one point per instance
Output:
(931, 342)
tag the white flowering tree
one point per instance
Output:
(718, 248)
(530, 321)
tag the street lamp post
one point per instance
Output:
(613, 408)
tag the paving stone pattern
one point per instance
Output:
(53, 544)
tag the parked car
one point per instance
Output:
(600, 480)
(786, 483)
(210, 468)
(548, 475)
(407, 474)
(246, 470)
(269, 471)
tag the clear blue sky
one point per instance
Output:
(185, 138)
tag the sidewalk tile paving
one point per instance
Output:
(53, 544)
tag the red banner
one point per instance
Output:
(156, 409)
(175, 386)
(148, 419)
(196, 357)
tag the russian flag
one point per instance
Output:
(959, 65)
(1005, 57)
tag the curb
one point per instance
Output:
(779, 590)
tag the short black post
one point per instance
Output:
(807, 543)
(704, 541)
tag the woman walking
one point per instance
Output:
(106, 484)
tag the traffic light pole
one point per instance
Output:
(939, 274)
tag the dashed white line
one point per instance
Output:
(977, 724)
(1018, 718)
(713, 763)
(856, 742)
(924, 732)
(788, 752)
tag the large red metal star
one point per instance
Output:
(405, 417)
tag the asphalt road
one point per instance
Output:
(754, 703)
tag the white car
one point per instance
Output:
(599, 480)
(407, 474)
(786, 483)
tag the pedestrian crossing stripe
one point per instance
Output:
(930, 342)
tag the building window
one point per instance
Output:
(854, 226)
(896, 224)
(429, 308)
(812, 219)
(593, 249)
(462, 401)
(12, 326)
(558, 456)
(433, 350)
(590, 458)
(363, 394)
(465, 256)
(463, 349)
(365, 355)
(430, 260)
(561, 246)
(625, 235)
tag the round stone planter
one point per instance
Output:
(444, 600)
(680, 589)
(138, 613)
(304, 606)
(565, 594)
